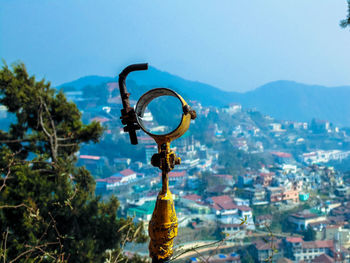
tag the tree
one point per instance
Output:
(48, 210)
(346, 22)
(309, 234)
(236, 161)
(246, 255)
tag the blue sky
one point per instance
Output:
(235, 45)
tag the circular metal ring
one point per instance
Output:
(142, 104)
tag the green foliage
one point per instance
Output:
(48, 211)
(206, 180)
(246, 255)
(346, 22)
(263, 210)
(236, 161)
(101, 90)
(309, 234)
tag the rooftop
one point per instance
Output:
(193, 197)
(318, 244)
(324, 258)
(262, 245)
(294, 239)
(127, 172)
(176, 174)
(90, 157)
(281, 154)
(305, 215)
(110, 180)
(223, 202)
(146, 208)
(100, 119)
(244, 208)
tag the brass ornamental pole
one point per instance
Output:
(163, 225)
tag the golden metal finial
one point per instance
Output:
(162, 228)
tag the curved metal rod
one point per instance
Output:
(122, 76)
(128, 113)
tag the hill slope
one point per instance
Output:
(295, 101)
(206, 94)
(281, 99)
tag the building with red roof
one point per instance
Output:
(193, 197)
(92, 162)
(194, 203)
(281, 157)
(89, 157)
(324, 258)
(176, 176)
(244, 211)
(100, 119)
(294, 239)
(262, 250)
(281, 154)
(223, 205)
(299, 250)
(126, 176)
(108, 183)
(127, 172)
(304, 218)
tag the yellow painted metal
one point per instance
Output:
(181, 128)
(163, 225)
(162, 228)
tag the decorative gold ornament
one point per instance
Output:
(163, 225)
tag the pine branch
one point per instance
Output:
(346, 22)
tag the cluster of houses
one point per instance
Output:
(330, 223)
(124, 177)
(230, 202)
(295, 249)
(285, 186)
(322, 156)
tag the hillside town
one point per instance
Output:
(267, 188)
(294, 196)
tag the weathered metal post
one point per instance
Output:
(163, 225)
(128, 114)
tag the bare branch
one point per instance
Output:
(4, 244)
(16, 140)
(42, 122)
(10, 164)
(123, 244)
(64, 139)
(52, 137)
(30, 209)
(34, 248)
(7, 175)
(196, 247)
(68, 145)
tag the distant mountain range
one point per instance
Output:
(284, 100)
